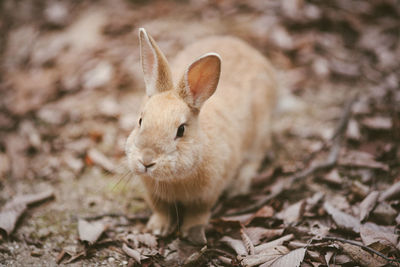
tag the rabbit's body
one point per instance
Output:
(225, 137)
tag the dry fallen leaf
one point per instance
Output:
(354, 158)
(133, 253)
(328, 256)
(264, 212)
(384, 214)
(13, 209)
(371, 233)
(267, 257)
(333, 177)
(9, 217)
(293, 258)
(147, 239)
(30, 198)
(342, 219)
(368, 204)
(378, 123)
(90, 231)
(235, 244)
(361, 256)
(256, 234)
(101, 160)
(353, 130)
(277, 242)
(247, 242)
(390, 193)
(292, 213)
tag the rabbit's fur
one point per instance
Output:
(225, 135)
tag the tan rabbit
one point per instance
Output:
(193, 141)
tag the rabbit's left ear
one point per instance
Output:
(200, 80)
(157, 74)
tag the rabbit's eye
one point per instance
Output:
(180, 131)
(140, 122)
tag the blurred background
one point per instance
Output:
(71, 84)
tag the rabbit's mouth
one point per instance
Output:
(142, 168)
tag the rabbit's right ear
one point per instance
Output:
(157, 75)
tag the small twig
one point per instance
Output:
(329, 238)
(137, 217)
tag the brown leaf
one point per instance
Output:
(277, 242)
(133, 253)
(266, 257)
(353, 130)
(293, 258)
(90, 231)
(9, 217)
(328, 256)
(264, 212)
(378, 123)
(13, 209)
(371, 233)
(30, 198)
(361, 256)
(247, 242)
(235, 244)
(342, 259)
(359, 189)
(391, 193)
(101, 160)
(384, 213)
(342, 219)
(292, 213)
(368, 204)
(147, 239)
(354, 158)
(312, 202)
(333, 177)
(256, 234)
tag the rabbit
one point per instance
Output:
(204, 135)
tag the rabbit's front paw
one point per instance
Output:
(159, 224)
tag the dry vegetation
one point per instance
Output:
(70, 86)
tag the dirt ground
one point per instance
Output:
(71, 86)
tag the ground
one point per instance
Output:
(70, 89)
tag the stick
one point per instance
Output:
(330, 238)
(137, 217)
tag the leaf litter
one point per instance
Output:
(70, 131)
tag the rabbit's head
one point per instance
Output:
(167, 142)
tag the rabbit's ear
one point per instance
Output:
(200, 80)
(157, 75)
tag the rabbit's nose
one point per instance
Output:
(148, 165)
(147, 158)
